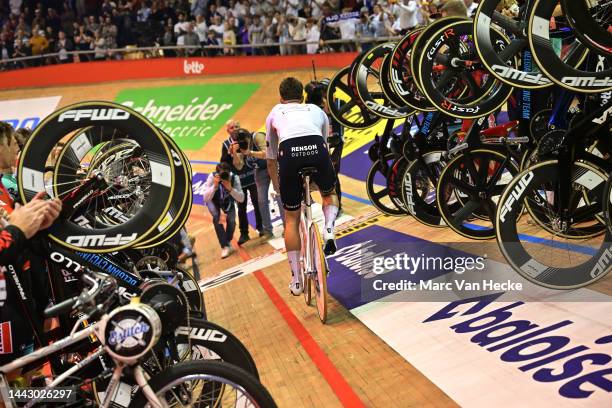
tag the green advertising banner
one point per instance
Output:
(191, 114)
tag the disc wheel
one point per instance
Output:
(123, 121)
(598, 79)
(345, 106)
(452, 77)
(480, 176)
(545, 258)
(379, 195)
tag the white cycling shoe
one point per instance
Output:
(329, 248)
(296, 287)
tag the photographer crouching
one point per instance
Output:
(315, 94)
(221, 189)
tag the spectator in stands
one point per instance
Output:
(38, 43)
(62, 47)
(229, 38)
(408, 12)
(380, 21)
(364, 29)
(21, 49)
(168, 39)
(328, 32)
(346, 23)
(91, 24)
(239, 9)
(198, 8)
(284, 36)
(256, 34)
(144, 12)
(297, 30)
(454, 8)
(201, 28)
(212, 13)
(39, 20)
(107, 7)
(53, 20)
(82, 42)
(99, 46)
(6, 50)
(211, 40)
(190, 39)
(312, 36)
(292, 7)
(243, 35)
(218, 27)
(270, 36)
(109, 32)
(181, 26)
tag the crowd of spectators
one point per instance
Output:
(31, 28)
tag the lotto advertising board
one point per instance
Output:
(190, 114)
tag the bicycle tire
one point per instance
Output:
(320, 280)
(208, 370)
(305, 277)
(548, 61)
(220, 341)
(508, 215)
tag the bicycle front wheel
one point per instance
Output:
(206, 384)
(319, 280)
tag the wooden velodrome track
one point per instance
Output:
(302, 362)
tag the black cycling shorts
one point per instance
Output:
(294, 155)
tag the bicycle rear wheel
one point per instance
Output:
(319, 280)
(305, 277)
(206, 384)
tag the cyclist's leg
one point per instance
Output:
(326, 180)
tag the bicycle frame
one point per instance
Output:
(307, 222)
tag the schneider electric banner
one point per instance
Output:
(190, 114)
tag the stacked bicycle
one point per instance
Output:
(504, 135)
(132, 326)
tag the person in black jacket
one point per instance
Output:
(245, 169)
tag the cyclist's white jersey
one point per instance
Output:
(292, 120)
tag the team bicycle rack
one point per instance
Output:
(506, 121)
(132, 323)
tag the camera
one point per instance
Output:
(224, 175)
(242, 138)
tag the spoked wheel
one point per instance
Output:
(78, 192)
(380, 195)
(477, 178)
(545, 256)
(206, 384)
(319, 279)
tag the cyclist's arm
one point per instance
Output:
(325, 126)
(236, 192)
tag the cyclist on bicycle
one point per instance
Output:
(296, 136)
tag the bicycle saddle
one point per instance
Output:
(307, 171)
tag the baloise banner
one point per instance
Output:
(190, 114)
